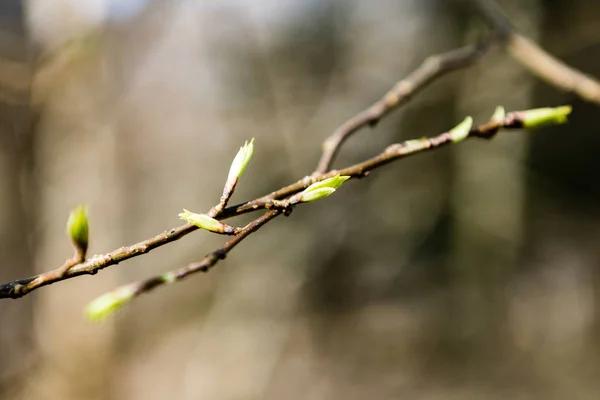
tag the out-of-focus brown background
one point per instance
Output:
(471, 272)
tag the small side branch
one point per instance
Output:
(431, 69)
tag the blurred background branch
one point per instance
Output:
(535, 59)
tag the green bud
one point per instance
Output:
(499, 114)
(103, 306)
(461, 131)
(241, 160)
(539, 117)
(322, 189)
(202, 221)
(77, 228)
(316, 194)
(333, 182)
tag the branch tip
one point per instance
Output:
(240, 161)
(78, 229)
(541, 117)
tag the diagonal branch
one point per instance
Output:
(535, 59)
(431, 69)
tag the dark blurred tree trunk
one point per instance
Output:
(17, 194)
(566, 169)
(480, 244)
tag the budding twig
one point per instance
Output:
(78, 231)
(280, 200)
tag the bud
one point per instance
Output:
(322, 189)
(77, 228)
(103, 306)
(499, 115)
(241, 160)
(539, 117)
(203, 221)
(461, 131)
(316, 194)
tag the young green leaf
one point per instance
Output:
(203, 221)
(78, 229)
(322, 189)
(241, 160)
(461, 131)
(540, 117)
(103, 306)
(316, 194)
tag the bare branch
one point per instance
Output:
(535, 59)
(431, 69)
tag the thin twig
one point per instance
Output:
(535, 59)
(431, 69)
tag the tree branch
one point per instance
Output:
(535, 59)
(432, 68)
(394, 152)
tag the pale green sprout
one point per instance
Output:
(322, 189)
(77, 228)
(202, 221)
(241, 160)
(499, 114)
(316, 194)
(103, 306)
(539, 117)
(461, 131)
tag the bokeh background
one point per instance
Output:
(470, 272)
